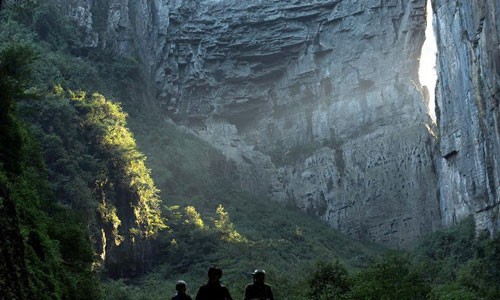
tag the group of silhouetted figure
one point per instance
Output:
(214, 290)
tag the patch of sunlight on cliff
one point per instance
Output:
(427, 69)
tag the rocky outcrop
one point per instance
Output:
(123, 27)
(468, 97)
(317, 102)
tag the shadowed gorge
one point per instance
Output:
(144, 141)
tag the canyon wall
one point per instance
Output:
(317, 102)
(468, 96)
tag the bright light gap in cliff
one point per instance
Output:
(427, 69)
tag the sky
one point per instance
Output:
(427, 70)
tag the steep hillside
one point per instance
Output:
(212, 221)
(45, 247)
(84, 158)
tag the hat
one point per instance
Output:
(180, 282)
(259, 271)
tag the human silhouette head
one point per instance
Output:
(214, 274)
(181, 287)
(259, 276)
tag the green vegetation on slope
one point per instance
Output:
(64, 172)
(95, 168)
(45, 248)
(214, 222)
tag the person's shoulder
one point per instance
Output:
(249, 286)
(202, 289)
(225, 289)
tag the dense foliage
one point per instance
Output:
(329, 281)
(94, 166)
(46, 250)
(65, 159)
(451, 264)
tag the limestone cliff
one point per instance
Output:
(317, 102)
(468, 96)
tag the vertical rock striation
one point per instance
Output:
(123, 27)
(468, 97)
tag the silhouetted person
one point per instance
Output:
(213, 290)
(258, 290)
(181, 287)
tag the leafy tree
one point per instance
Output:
(329, 281)
(189, 240)
(451, 291)
(14, 77)
(480, 275)
(394, 277)
(193, 217)
(456, 244)
(459, 264)
(15, 61)
(224, 226)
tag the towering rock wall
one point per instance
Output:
(317, 102)
(468, 96)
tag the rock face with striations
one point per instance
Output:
(317, 102)
(468, 95)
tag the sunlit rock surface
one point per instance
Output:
(468, 94)
(317, 102)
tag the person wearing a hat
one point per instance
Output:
(181, 287)
(258, 290)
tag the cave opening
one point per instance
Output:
(427, 67)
